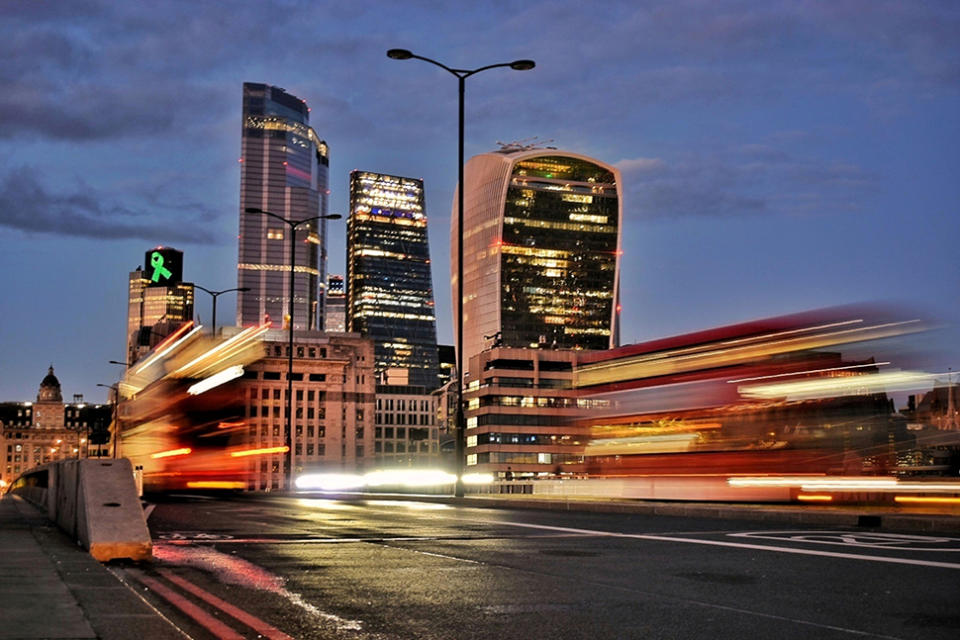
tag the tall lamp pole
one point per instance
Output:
(116, 416)
(215, 295)
(288, 430)
(462, 75)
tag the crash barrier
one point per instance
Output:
(95, 502)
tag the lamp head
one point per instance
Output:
(252, 210)
(399, 54)
(522, 65)
(333, 216)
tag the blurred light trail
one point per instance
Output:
(259, 452)
(216, 484)
(329, 481)
(831, 387)
(846, 483)
(814, 497)
(216, 380)
(409, 478)
(171, 453)
(168, 344)
(925, 500)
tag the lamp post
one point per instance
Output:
(216, 294)
(288, 430)
(462, 75)
(116, 415)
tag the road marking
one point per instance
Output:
(255, 623)
(204, 619)
(740, 545)
(898, 541)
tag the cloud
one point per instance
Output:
(748, 179)
(27, 205)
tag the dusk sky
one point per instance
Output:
(777, 156)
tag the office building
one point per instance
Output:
(283, 170)
(541, 251)
(405, 428)
(389, 284)
(335, 318)
(333, 411)
(159, 302)
(523, 413)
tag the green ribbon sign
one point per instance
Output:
(156, 261)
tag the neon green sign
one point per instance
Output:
(156, 261)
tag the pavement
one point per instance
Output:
(52, 588)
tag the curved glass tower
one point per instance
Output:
(283, 169)
(541, 251)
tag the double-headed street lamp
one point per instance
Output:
(215, 294)
(288, 429)
(462, 75)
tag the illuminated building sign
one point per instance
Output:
(163, 266)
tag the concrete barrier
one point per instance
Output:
(95, 502)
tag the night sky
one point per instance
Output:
(776, 156)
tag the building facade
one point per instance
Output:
(542, 252)
(405, 428)
(522, 413)
(333, 411)
(335, 318)
(283, 170)
(389, 283)
(158, 303)
(33, 433)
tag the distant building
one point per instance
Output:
(521, 413)
(335, 319)
(283, 170)
(32, 433)
(159, 302)
(389, 284)
(405, 431)
(541, 251)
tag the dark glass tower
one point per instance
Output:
(283, 169)
(389, 286)
(541, 251)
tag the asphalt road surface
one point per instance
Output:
(282, 567)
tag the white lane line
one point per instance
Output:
(741, 545)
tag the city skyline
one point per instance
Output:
(776, 157)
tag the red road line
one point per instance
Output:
(251, 621)
(214, 626)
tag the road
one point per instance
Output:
(284, 567)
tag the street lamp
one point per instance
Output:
(288, 430)
(116, 418)
(215, 294)
(462, 75)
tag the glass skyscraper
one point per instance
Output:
(283, 169)
(389, 286)
(541, 251)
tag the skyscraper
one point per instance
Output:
(283, 170)
(159, 301)
(389, 286)
(335, 317)
(541, 251)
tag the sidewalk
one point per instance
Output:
(52, 588)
